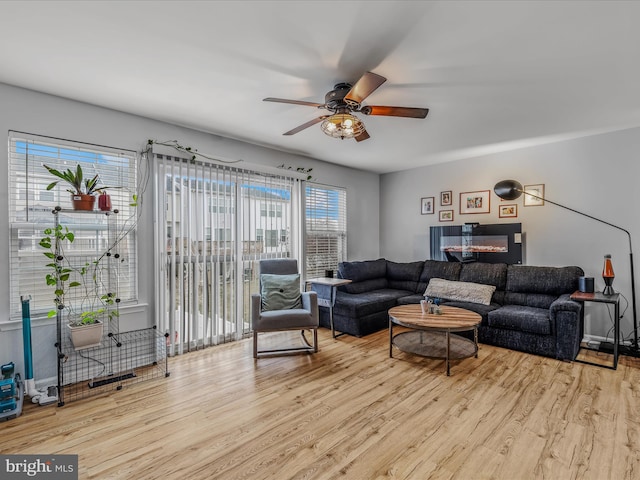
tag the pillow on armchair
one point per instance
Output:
(280, 292)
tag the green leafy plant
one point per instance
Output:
(75, 179)
(80, 281)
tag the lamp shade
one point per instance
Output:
(508, 189)
(342, 125)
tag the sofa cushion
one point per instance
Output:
(461, 291)
(538, 300)
(410, 299)
(404, 276)
(359, 305)
(437, 269)
(365, 285)
(360, 271)
(486, 273)
(280, 292)
(365, 276)
(483, 310)
(517, 317)
(545, 280)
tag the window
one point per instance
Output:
(271, 210)
(31, 204)
(272, 238)
(326, 228)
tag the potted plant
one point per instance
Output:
(88, 308)
(87, 331)
(82, 190)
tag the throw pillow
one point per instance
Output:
(460, 291)
(280, 292)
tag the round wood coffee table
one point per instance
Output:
(432, 335)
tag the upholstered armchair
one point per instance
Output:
(281, 306)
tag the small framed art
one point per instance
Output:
(534, 195)
(508, 211)
(426, 205)
(446, 215)
(475, 202)
(446, 198)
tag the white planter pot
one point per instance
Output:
(86, 336)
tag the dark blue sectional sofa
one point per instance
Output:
(530, 309)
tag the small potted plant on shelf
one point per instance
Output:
(83, 190)
(82, 284)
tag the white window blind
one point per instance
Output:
(212, 229)
(326, 228)
(31, 206)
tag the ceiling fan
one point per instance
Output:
(346, 99)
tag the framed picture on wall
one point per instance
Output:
(446, 216)
(426, 205)
(475, 202)
(446, 198)
(537, 191)
(508, 211)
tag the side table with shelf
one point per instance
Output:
(598, 297)
(327, 289)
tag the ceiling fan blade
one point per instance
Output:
(395, 111)
(364, 87)
(363, 136)
(306, 125)
(294, 102)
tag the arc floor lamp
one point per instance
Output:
(512, 189)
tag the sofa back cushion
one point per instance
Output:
(437, 269)
(539, 286)
(486, 273)
(544, 280)
(366, 276)
(404, 276)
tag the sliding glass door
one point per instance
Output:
(214, 223)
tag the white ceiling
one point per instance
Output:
(495, 75)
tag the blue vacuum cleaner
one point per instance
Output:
(43, 397)
(11, 392)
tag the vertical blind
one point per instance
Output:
(326, 228)
(214, 223)
(31, 205)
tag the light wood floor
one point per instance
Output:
(351, 412)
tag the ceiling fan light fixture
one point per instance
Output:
(342, 125)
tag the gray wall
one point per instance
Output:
(38, 113)
(597, 175)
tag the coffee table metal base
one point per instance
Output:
(434, 344)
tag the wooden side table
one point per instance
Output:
(327, 289)
(598, 297)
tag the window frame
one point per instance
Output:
(30, 214)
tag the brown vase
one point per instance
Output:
(104, 202)
(83, 202)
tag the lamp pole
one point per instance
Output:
(511, 189)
